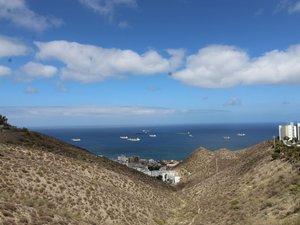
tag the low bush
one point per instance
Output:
(290, 153)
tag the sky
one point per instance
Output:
(138, 62)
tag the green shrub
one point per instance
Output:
(290, 153)
(159, 221)
(234, 205)
(295, 189)
(3, 120)
(275, 155)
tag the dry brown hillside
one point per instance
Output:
(243, 187)
(45, 181)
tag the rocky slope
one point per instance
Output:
(45, 181)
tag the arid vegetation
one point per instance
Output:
(244, 187)
(284, 152)
(45, 181)
(3, 120)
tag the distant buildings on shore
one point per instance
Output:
(153, 168)
(289, 133)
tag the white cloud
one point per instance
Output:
(98, 115)
(4, 71)
(89, 63)
(233, 101)
(176, 61)
(11, 47)
(18, 12)
(87, 111)
(99, 111)
(107, 7)
(295, 8)
(36, 70)
(219, 66)
(290, 6)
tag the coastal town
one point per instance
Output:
(289, 134)
(160, 169)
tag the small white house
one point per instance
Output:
(122, 159)
(171, 177)
(176, 179)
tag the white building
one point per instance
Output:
(122, 159)
(281, 132)
(171, 177)
(291, 131)
(298, 131)
(176, 179)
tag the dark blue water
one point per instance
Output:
(171, 142)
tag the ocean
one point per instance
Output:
(171, 142)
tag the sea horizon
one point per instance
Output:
(150, 125)
(171, 142)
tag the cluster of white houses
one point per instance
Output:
(160, 170)
(290, 132)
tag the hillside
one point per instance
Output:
(46, 181)
(243, 187)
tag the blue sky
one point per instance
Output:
(131, 62)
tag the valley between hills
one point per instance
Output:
(46, 181)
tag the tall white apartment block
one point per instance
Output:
(298, 131)
(291, 131)
(281, 132)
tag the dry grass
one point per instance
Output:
(38, 187)
(44, 181)
(247, 188)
